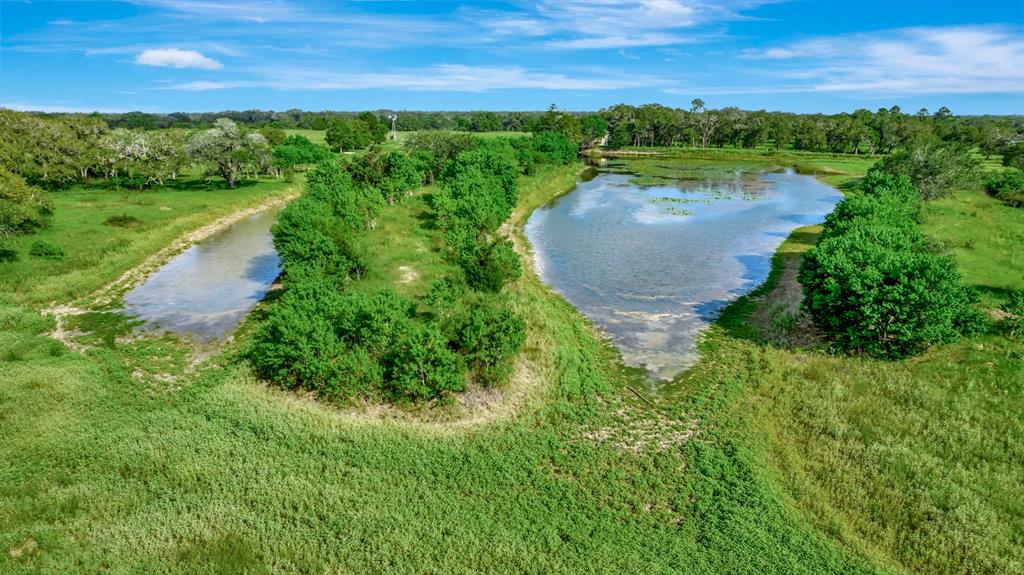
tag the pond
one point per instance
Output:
(653, 265)
(205, 291)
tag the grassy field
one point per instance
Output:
(96, 254)
(131, 458)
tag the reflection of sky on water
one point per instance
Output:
(654, 266)
(207, 289)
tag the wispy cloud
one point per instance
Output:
(175, 58)
(613, 24)
(444, 77)
(922, 60)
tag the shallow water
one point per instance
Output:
(205, 291)
(653, 266)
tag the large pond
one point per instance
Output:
(207, 289)
(653, 265)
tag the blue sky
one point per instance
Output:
(796, 55)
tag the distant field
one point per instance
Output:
(317, 136)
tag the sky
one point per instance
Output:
(792, 55)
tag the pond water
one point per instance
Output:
(654, 265)
(205, 291)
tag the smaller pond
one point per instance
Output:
(205, 291)
(654, 265)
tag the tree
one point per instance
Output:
(935, 171)
(274, 136)
(348, 134)
(24, 209)
(555, 120)
(229, 150)
(878, 290)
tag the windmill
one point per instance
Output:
(394, 134)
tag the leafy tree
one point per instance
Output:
(874, 284)
(878, 290)
(392, 172)
(435, 148)
(1013, 155)
(594, 128)
(24, 209)
(554, 148)
(555, 120)
(274, 136)
(296, 151)
(229, 150)
(934, 171)
(1007, 186)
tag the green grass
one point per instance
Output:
(315, 136)
(130, 459)
(986, 238)
(403, 251)
(96, 254)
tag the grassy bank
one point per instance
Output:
(205, 470)
(768, 460)
(98, 250)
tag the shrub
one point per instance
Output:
(44, 249)
(879, 290)
(492, 266)
(490, 335)
(24, 209)
(421, 366)
(554, 148)
(934, 171)
(296, 150)
(123, 221)
(8, 253)
(296, 346)
(1008, 187)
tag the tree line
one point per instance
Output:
(329, 335)
(860, 131)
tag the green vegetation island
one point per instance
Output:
(393, 386)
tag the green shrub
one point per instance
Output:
(882, 291)
(8, 253)
(44, 249)
(490, 335)
(554, 148)
(296, 346)
(492, 266)
(1007, 186)
(421, 365)
(24, 209)
(296, 150)
(123, 221)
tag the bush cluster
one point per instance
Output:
(327, 335)
(1007, 186)
(874, 284)
(296, 151)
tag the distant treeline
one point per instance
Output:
(862, 131)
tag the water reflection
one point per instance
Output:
(207, 289)
(653, 266)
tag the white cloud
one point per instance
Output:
(954, 59)
(175, 58)
(611, 24)
(440, 78)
